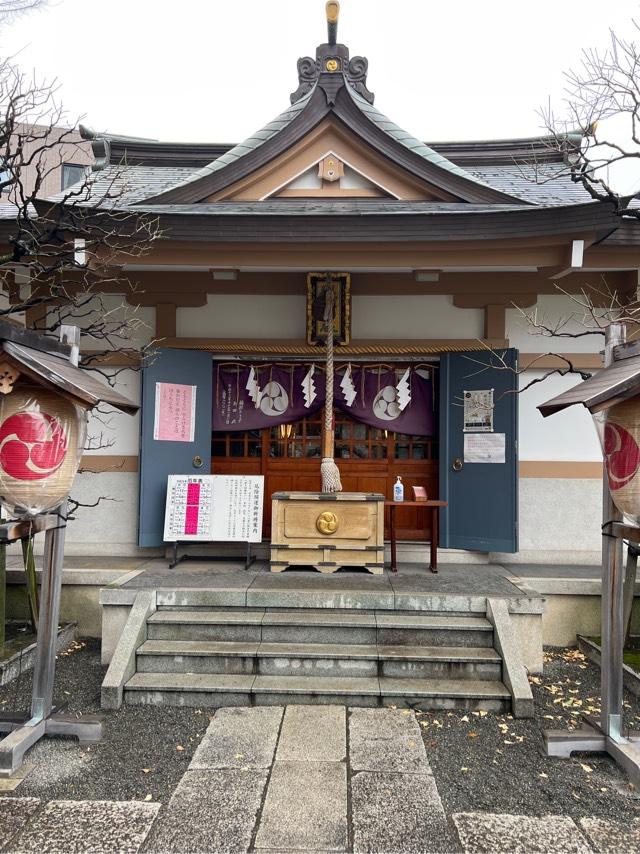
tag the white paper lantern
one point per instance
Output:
(42, 435)
(621, 447)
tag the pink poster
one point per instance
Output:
(175, 414)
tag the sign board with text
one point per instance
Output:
(214, 508)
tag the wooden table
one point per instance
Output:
(434, 506)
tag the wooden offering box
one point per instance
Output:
(327, 530)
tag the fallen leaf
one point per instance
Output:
(508, 742)
(179, 747)
(472, 734)
(464, 770)
(465, 719)
(542, 774)
(147, 797)
(146, 770)
(587, 768)
(239, 756)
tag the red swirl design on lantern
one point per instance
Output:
(33, 445)
(622, 455)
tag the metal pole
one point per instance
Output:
(45, 663)
(612, 621)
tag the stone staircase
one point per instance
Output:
(205, 656)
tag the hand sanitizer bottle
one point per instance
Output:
(398, 490)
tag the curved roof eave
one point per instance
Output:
(376, 221)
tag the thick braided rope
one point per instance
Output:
(328, 468)
(328, 321)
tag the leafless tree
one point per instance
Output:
(597, 128)
(61, 258)
(15, 8)
(62, 255)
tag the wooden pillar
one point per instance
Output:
(495, 321)
(166, 315)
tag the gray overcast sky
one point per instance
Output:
(216, 71)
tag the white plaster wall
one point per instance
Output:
(111, 528)
(560, 521)
(245, 316)
(118, 431)
(567, 435)
(423, 316)
(559, 312)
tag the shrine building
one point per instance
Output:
(436, 252)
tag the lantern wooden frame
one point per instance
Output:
(618, 382)
(52, 365)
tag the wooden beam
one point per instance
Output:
(565, 469)
(547, 361)
(116, 463)
(572, 264)
(483, 299)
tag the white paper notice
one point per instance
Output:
(485, 448)
(214, 508)
(478, 410)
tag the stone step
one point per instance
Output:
(422, 629)
(319, 626)
(197, 656)
(274, 659)
(238, 625)
(216, 690)
(489, 695)
(439, 662)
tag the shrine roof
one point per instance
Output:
(181, 179)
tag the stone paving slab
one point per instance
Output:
(14, 814)
(313, 734)
(386, 740)
(612, 837)
(210, 811)
(517, 834)
(305, 808)
(94, 827)
(239, 738)
(398, 812)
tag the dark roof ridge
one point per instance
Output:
(146, 151)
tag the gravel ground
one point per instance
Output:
(482, 762)
(486, 762)
(139, 755)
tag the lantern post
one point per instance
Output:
(613, 398)
(44, 402)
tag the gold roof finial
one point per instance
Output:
(333, 13)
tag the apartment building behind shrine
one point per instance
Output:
(435, 250)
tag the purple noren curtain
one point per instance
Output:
(281, 399)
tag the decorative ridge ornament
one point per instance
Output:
(332, 68)
(333, 13)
